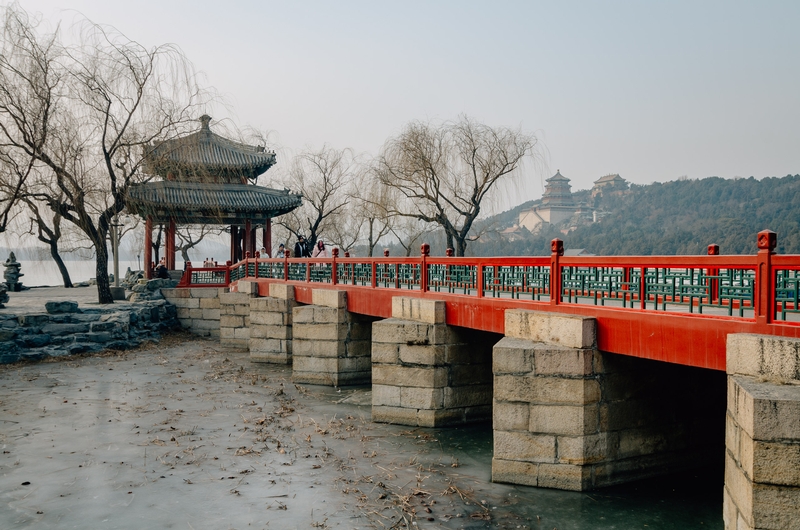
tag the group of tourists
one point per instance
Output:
(302, 250)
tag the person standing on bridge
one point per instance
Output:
(320, 251)
(300, 248)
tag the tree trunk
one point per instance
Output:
(104, 295)
(461, 243)
(370, 242)
(60, 263)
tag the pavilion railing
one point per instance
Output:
(764, 287)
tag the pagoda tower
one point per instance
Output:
(557, 191)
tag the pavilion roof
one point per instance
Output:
(558, 177)
(609, 178)
(204, 156)
(209, 203)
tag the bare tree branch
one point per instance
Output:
(445, 173)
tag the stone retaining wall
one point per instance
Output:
(66, 329)
(198, 309)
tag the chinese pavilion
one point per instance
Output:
(208, 179)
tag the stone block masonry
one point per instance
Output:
(568, 416)
(330, 345)
(762, 434)
(234, 319)
(271, 325)
(198, 309)
(427, 373)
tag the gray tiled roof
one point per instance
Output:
(206, 152)
(207, 198)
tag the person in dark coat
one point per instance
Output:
(301, 248)
(161, 269)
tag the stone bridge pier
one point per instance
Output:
(270, 339)
(427, 373)
(330, 345)
(569, 416)
(762, 434)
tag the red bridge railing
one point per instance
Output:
(628, 294)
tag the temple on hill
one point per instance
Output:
(612, 183)
(208, 179)
(558, 206)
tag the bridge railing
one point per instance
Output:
(737, 286)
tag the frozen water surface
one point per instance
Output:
(191, 435)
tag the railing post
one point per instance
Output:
(713, 284)
(286, 255)
(334, 272)
(764, 295)
(479, 279)
(643, 289)
(423, 273)
(556, 251)
(228, 265)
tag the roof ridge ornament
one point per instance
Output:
(205, 120)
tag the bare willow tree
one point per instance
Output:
(345, 233)
(323, 177)
(410, 233)
(191, 236)
(87, 114)
(13, 176)
(446, 172)
(372, 202)
(46, 225)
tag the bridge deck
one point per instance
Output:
(677, 309)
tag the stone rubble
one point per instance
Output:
(65, 329)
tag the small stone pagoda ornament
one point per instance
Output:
(12, 274)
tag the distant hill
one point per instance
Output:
(678, 217)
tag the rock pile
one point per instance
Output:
(131, 278)
(65, 329)
(151, 289)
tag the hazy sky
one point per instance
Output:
(650, 90)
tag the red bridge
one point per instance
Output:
(681, 313)
(593, 370)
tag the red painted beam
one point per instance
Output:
(689, 339)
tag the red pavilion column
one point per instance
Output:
(248, 231)
(170, 251)
(234, 242)
(148, 247)
(268, 237)
(253, 246)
